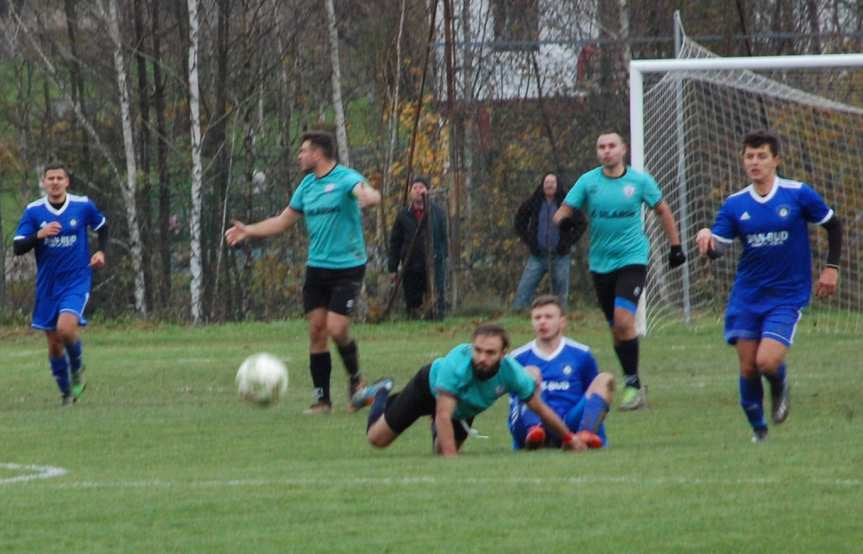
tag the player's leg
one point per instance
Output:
(597, 399)
(69, 323)
(777, 335)
(340, 308)
(320, 362)
(534, 269)
(560, 270)
(59, 365)
(628, 286)
(392, 414)
(751, 389)
(525, 427)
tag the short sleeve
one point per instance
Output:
(650, 194)
(26, 226)
(351, 180)
(520, 382)
(813, 208)
(95, 219)
(296, 202)
(576, 196)
(725, 227)
(445, 374)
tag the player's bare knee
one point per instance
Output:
(768, 363)
(748, 371)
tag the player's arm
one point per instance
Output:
(676, 256)
(563, 212)
(97, 260)
(22, 244)
(266, 228)
(553, 422)
(829, 278)
(445, 405)
(366, 194)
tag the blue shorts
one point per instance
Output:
(47, 310)
(778, 323)
(521, 419)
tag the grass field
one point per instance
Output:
(161, 456)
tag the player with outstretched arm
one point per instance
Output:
(329, 198)
(774, 274)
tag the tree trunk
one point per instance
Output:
(129, 189)
(341, 132)
(161, 161)
(144, 147)
(70, 7)
(197, 170)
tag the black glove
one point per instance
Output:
(676, 257)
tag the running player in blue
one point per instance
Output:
(56, 227)
(330, 198)
(571, 384)
(612, 195)
(455, 389)
(774, 275)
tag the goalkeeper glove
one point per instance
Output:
(676, 257)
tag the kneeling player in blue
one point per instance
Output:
(455, 389)
(774, 275)
(56, 226)
(571, 384)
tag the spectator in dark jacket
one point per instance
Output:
(549, 245)
(415, 220)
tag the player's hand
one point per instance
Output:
(97, 260)
(534, 372)
(705, 241)
(573, 443)
(827, 282)
(236, 234)
(676, 257)
(50, 230)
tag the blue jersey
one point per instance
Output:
(332, 216)
(617, 236)
(454, 374)
(566, 374)
(62, 261)
(775, 267)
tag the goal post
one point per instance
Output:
(687, 116)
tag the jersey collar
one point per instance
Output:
(764, 199)
(57, 211)
(540, 354)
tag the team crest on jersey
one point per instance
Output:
(783, 211)
(567, 370)
(499, 390)
(329, 188)
(73, 222)
(629, 190)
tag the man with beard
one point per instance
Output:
(455, 389)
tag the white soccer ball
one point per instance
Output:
(262, 379)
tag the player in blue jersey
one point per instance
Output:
(612, 196)
(571, 383)
(774, 275)
(455, 389)
(56, 227)
(329, 198)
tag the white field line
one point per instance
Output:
(438, 481)
(31, 473)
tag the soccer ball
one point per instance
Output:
(262, 379)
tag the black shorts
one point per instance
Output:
(415, 401)
(620, 288)
(333, 289)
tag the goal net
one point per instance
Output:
(693, 117)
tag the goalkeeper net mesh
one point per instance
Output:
(694, 122)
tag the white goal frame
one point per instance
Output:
(637, 69)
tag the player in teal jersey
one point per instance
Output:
(453, 390)
(330, 198)
(612, 195)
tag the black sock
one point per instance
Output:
(320, 366)
(350, 357)
(627, 353)
(379, 407)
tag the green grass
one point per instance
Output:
(162, 456)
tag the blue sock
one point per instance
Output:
(378, 407)
(594, 412)
(60, 369)
(776, 380)
(75, 351)
(751, 400)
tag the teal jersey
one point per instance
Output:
(617, 236)
(333, 219)
(453, 374)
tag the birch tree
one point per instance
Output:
(130, 186)
(336, 76)
(195, 286)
